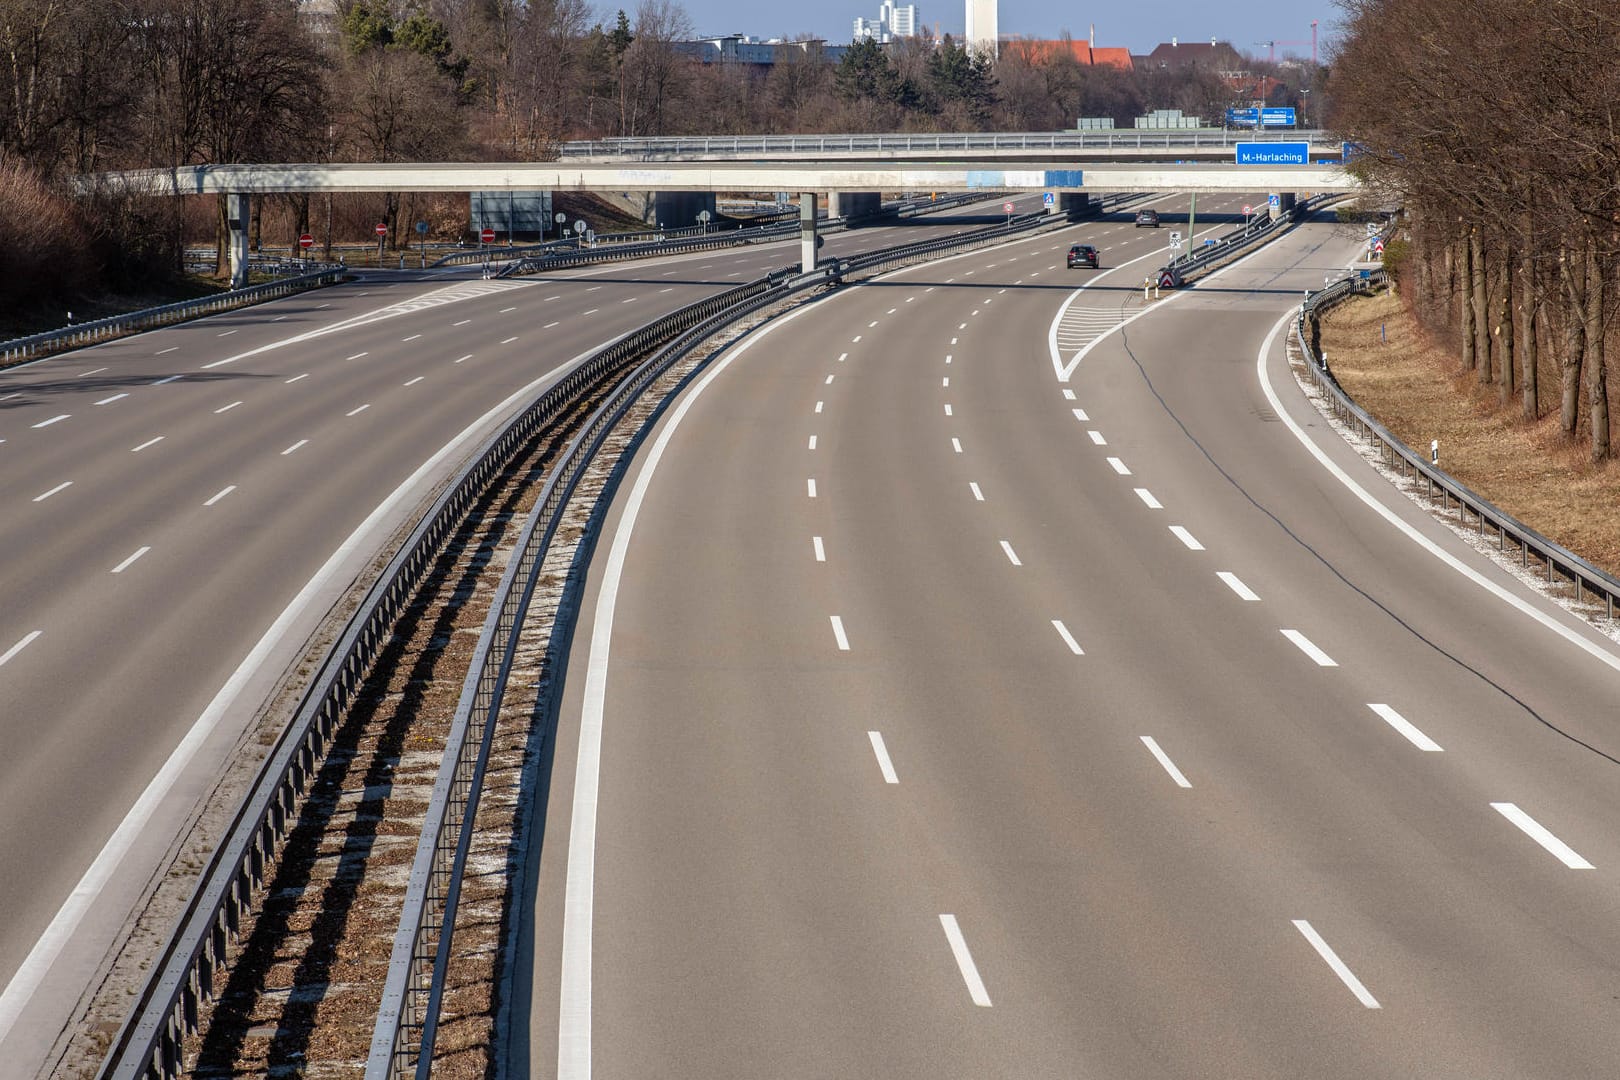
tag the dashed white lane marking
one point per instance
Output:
(1012, 556)
(838, 633)
(870, 325)
(964, 961)
(946, 381)
(413, 337)
(1068, 638)
(551, 325)
(110, 400)
(463, 322)
(891, 312)
(222, 493)
(27, 640)
(1406, 728)
(666, 290)
(956, 444)
(820, 548)
(1305, 646)
(855, 340)
(167, 381)
(1119, 466)
(885, 766)
(593, 288)
(1080, 415)
(953, 341)
(948, 410)
(227, 333)
(507, 310)
(59, 487)
(127, 563)
(163, 352)
(962, 326)
(975, 311)
(1236, 585)
(144, 445)
(416, 380)
(1339, 967)
(842, 357)
(810, 487)
(1068, 395)
(948, 358)
(1541, 835)
(227, 408)
(357, 412)
(509, 340)
(1097, 438)
(593, 311)
(812, 442)
(295, 378)
(629, 299)
(53, 420)
(977, 494)
(463, 359)
(358, 355)
(1164, 759)
(1187, 538)
(92, 371)
(829, 380)
(295, 446)
(819, 405)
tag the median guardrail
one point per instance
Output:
(1557, 560)
(1133, 138)
(1181, 269)
(34, 346)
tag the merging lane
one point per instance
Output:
(976, 676)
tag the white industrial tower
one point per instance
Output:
(981, 25)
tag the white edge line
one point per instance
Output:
(1406, 728)
(964, 961)
(884, 764)
(1164, 759)
(1339, 967)
(1538, 832)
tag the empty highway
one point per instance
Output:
(982, 675)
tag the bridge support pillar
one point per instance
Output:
(807, 231)
(680, 209)
(854, 205)
(236, 217)
(1075, 205)
(1283, 205)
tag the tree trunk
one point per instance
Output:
(1504, 331)
(1529, 405)
(1482, 307)
(1597, 381)
(1467, 293)
(1572, 279)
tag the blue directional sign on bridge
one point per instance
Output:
(1273, 153)
(1276, 117)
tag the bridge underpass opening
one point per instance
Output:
(854, 205)
(680, 209)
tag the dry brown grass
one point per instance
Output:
(1416, 388)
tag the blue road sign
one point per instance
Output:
(1274, 199)
(1274, 153)
(1048, 199)
(1243, 118)
(1276, 117)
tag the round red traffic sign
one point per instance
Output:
(382, 228)
(1007, 207)
(487, 236)
(1248, 209)
(306, 241)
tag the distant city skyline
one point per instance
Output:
(1243, 23)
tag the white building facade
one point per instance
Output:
(982, 34)
(893, 21)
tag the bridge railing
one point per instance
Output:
(1134, 139)
(1559, 562)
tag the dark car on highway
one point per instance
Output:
(1150, 218)
(1083, 255)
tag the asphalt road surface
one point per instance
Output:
(968, 685)
(181, 508)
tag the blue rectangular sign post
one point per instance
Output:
(1246, 118)
(1276, 117)
(1273, 153)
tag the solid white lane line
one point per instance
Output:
(964, 961)
(227, 408)
(1541, 835)
(1339, 967)
(469, 356)
(1236, 585)
(948, 410)
(144, 445)
(810, 487)
(1164, 759)
(27, 640)
(1406, 728)
(295, 446)
(509, 340)
(358, 355)
(1080, 415)
(1119, 466)
(1068, 395)
(812, 442)
(170, 349)
(819, 405)
(1012, 556)
(295, 378)
(1305, 646)
(885, 766)
(413, 337)
(956, 444)
(59, 487)
(416, 380)
(52, 420)
(821, 550)
(977, 494)
(127, 563)
(357, 412)
(110, 400)
(92, 371)
(1068, 638)
(1097, 438)
(1187, 538)
(838, 633)
(223, 492)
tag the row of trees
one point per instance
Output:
(1497, 124)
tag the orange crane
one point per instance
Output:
(1272, 45)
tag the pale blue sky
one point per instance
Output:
(1137, 26)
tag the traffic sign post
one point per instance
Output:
(306, 241)
(1175, 241)
(1007, 208)
(382, 233)
(486, 235)
(1049, 200)
(703, 219)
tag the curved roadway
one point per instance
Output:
(963, 690)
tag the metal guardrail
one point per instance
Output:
(1558, 560)
(1143, 138)
(1183, 267)
(32, 347)
(407, 1021)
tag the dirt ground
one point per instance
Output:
(1417, 389)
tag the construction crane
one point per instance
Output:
(1272, 45)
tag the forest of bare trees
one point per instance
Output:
(1496, 124)
(93, 85)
